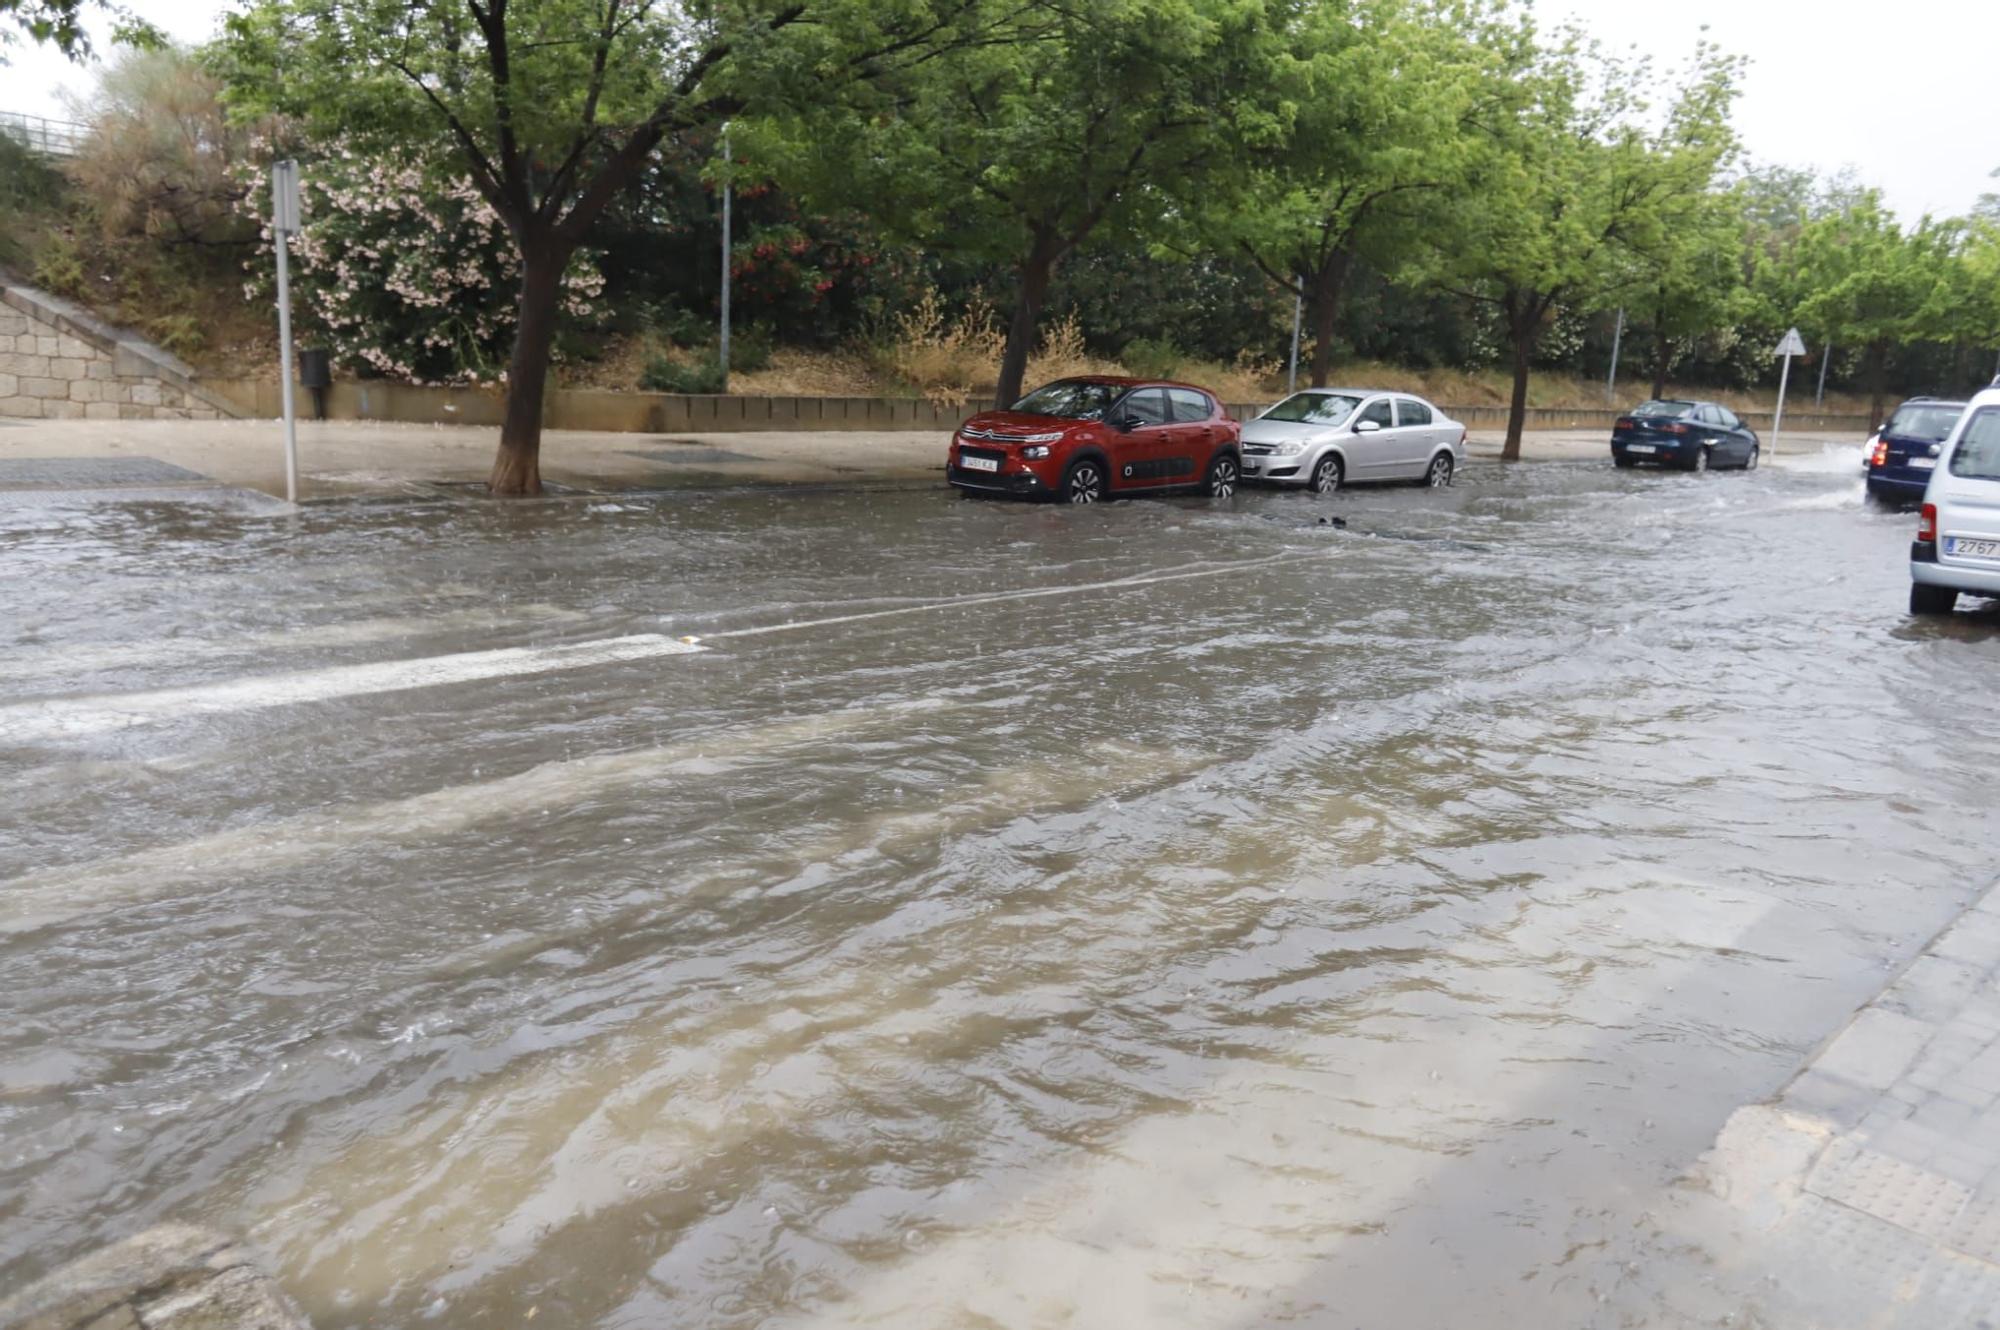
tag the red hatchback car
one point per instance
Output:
(1082, 440)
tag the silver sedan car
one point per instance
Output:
(1324, 438)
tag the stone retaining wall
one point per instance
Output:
(58, 362)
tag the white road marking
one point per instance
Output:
(73, 716)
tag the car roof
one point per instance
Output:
(1933, 401)
(1127, 381)
(1360, 392)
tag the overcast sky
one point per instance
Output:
(1906, 92)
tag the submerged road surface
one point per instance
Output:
(1175, 913)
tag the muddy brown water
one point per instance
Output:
(1367, 930)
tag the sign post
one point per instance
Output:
(285, 221)
(1792, 345)
(1298, 316)
(1617, 339)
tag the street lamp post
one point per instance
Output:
(726, 229)
(284, 221)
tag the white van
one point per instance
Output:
(1958, 538)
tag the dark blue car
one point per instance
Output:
(1903, 454)
(1690, 435)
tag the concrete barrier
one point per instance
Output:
(675, 413)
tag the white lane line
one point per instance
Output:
(72, 716)
(1030, 593)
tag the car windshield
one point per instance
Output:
(1663, 408)
(1977, 456)
(1072, 399)
(1929, 422)
(1313, 409)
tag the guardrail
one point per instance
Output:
(51, 138)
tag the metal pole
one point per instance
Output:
(726, 228)
(1617, 338)
(1298, 317)
(284, 218)
(1778, 420)
(1819, 396)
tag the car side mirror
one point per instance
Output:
(1368, 427)
(1124, 424)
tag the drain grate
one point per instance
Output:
(84, 473)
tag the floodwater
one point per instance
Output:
(1171, 913)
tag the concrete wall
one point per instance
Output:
(590, 409)
(59, 362)
(670, 413)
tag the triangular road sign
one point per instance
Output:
(1793, 345)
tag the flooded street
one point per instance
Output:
(1177, 912)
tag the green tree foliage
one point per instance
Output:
(1857, 278)
(1377, 108)
(553, 108)
(1573, 185)
(60, 23)
(1074, 122)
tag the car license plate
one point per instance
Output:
(1960, 547)
(1639, 448)
(979, 464)
(1924, 463)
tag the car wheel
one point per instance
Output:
(1928, 599)
(1751, 464)
(1222, 475)
(1082, 483)
(1326, 476)
(1699, 461)
(1439, 474)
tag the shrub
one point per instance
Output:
(749, 347)
(941, 359)
(1063, 354)
(664, 374)
(1153, 358)
(161, 156)
(408, 273)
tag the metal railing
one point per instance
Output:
(51, 138)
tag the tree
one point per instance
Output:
(1689, 281)
(552, 108)
(1095, 119)
(61, 23)
(1858, 279)
(1376, 105)
(1571, 187)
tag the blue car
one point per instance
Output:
(1690, 435)
(1904, 452)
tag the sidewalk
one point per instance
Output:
(1868, 1192)
(349, 459)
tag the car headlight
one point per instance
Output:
(1292, 449)
(1034, 452)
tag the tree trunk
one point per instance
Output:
(1328, 285)
(1662, 357)
(1522, 332)
(517, 467)
(1035, 272)
(1878, 374)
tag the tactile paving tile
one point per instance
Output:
(1976, 1231)
(1904, 1194)
(80, 473)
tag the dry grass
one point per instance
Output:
(955, 361)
